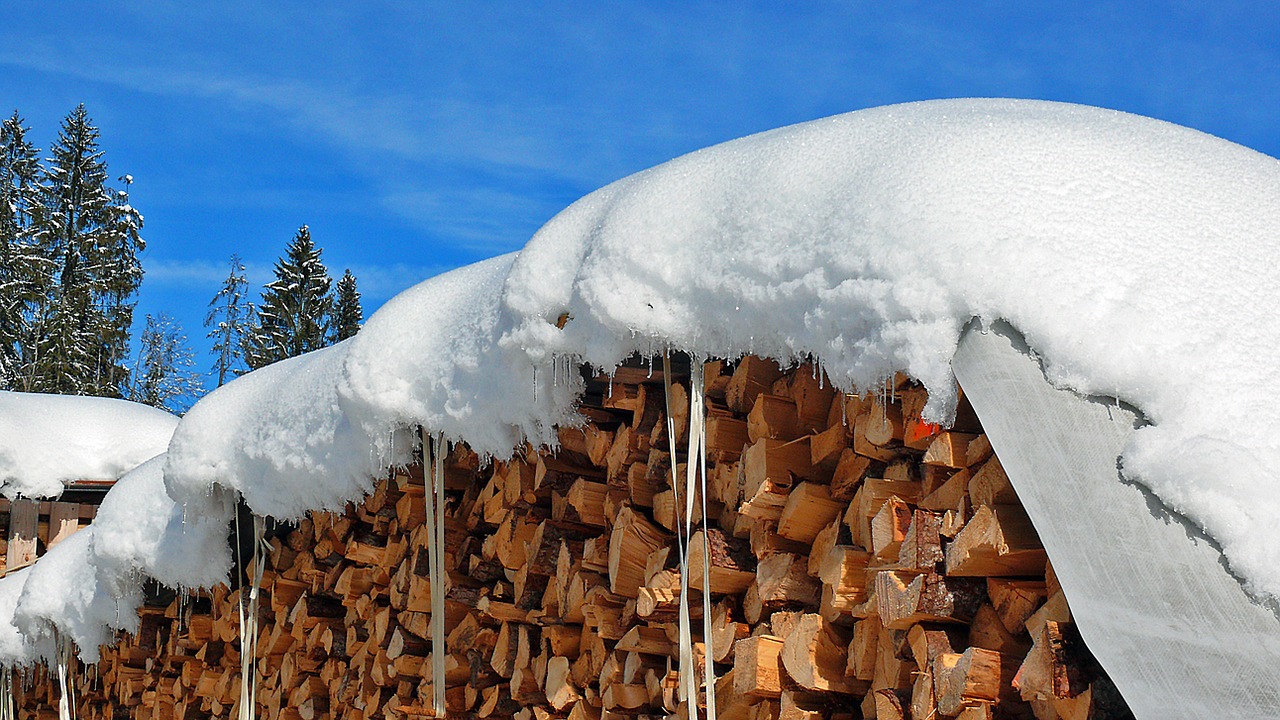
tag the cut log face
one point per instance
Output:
(809, 509)
(630, 543)
(999, 541)
(757, 666)
(815, 656)
(773, 417)
(860, 560)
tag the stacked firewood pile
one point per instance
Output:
(863, 563)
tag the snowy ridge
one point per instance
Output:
(312, 432)
(48, 440)
(1131, 253)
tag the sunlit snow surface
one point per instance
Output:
(48, 440)
(16, 648)
(1136, 257)
(90, 584)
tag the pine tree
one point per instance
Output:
(93, 243)
(347, 315)
(229, 313)
(294, 315)
(163, 374)
(24, 276)
(117, 277)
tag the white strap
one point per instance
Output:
(688, 684)
(695, 478)
(698, 420)
(66, 705)
(249, 622)
(433, 496)
(6, 695)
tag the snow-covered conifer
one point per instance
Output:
(23, 274)
(228, 318)
(163, 374)
(117, 276)
(79, 229)
(347, 313)
(295, 313)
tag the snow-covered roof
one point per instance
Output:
(49, 440)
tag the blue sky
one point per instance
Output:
(414, 137)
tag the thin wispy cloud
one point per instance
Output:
(377, 282)
(485, 221)
(187, 272)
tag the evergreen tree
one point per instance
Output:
(117, 277)
(24, 276)
(347, 315)
(163, 374)
(228, 317)
(294, 315)
(93, 243)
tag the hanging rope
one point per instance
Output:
(249, 621)
(433, 450)
(695, 480)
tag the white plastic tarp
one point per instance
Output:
(1150, 594)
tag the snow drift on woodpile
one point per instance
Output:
(313, 432)
(49, 440)
(1134, 255)
(90, 584)
(16, 648)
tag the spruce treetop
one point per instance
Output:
(348, 315)
(295, 314)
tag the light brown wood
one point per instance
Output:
(830, 589)
(809, 509)
(64, 519)
(757, 666)
(999, 541)
(815, 656)
(751, 377)
(773, 417)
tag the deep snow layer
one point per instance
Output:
(48, 440)
(1135, 256)
(312, 432)
(90, 584)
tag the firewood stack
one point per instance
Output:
(863, 563)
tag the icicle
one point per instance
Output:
(433, 497)
(535, 383)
